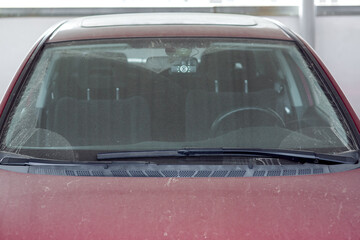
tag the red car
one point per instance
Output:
(177, 126)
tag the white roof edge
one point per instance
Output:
(168, 19)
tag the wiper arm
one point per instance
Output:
(350, 157)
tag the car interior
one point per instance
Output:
(236, 97)
(107, 101)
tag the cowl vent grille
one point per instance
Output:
(203, 173)
(218, 174)
(236, 173)
(153, 174)
(259, 173)
(304, 171)
(179, 171)
(289, 172)
(274, 173)
(120, 173)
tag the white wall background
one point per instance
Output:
(337, 41)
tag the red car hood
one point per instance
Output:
(300, 207)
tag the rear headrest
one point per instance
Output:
(91, 72)
(231, 60)
(97, 73)
(227, 69)
(256, 70)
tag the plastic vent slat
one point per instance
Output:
(98, 173)
(304, 171)
(153, 173)
(83, 173)
(120, 173)
(318, 171)
(203, 174)
(48, 171)
(219, 173)
(237, 173)
(69, 173)
(170, 173)
(137, 174)
(259, 173)
(289, 172)
(186, 173)
(274, 173)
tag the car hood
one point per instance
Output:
(323, 206)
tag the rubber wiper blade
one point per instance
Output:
(350, 157)
(19, 161)
(12, 159)
(15, 159)
(138, 154)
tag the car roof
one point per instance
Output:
(167, 25)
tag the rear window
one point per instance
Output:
(161, 93)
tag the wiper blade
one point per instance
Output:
(138, 154)
(350, 157)
(20, 161)
(12, 159)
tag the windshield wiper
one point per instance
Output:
(30, 161)
(350, 157)
(14, 159)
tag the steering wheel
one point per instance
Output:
(266, 113)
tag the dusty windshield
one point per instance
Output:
(144, 94)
